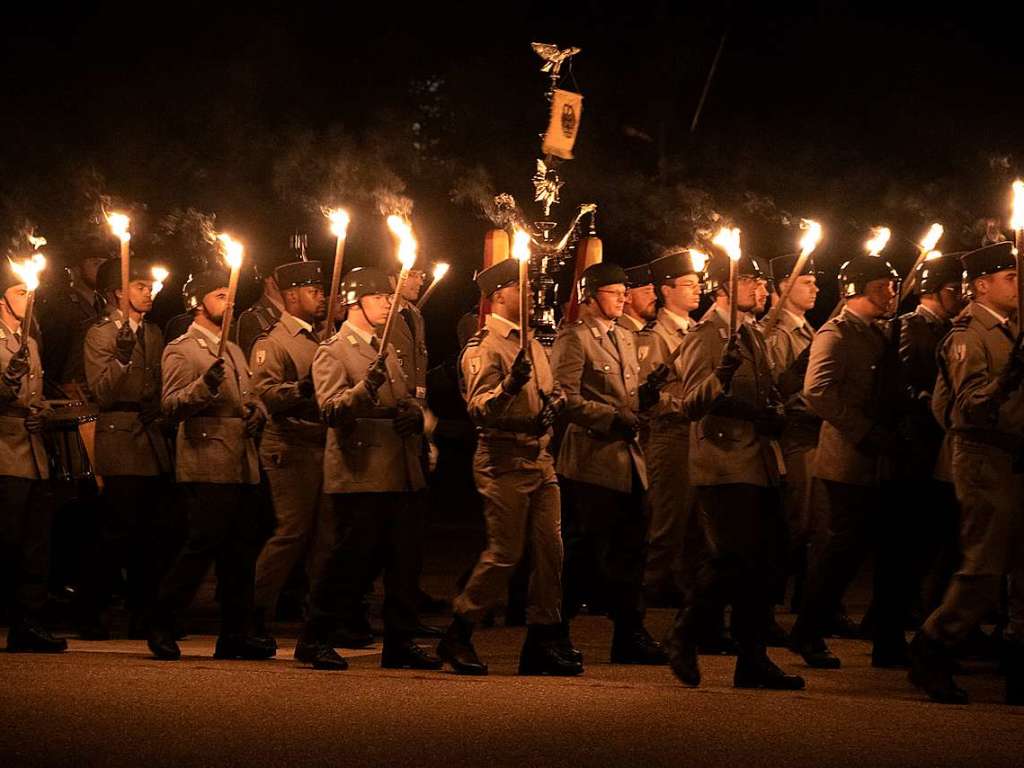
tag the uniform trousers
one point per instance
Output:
(671, 499)
(991, 496)
(141, 532)
(746, 539)
(521, 508)
(226, 527)
(604, 535)
(25, 518)
(862, 520)
(370, 529)
(295, 473)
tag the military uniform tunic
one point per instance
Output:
(514, 473)
(21, 454)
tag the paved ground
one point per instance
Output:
(109, 704)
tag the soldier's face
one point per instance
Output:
(413, 285)
(140, 295)
(804, 292)
(312, 301)
(883, 296)
(508, 299)
(214, 304)
(951, 298)
(376, 307)
(999, 290)
(611, 300)
(682, 294)
(643, 302)
(746, 293)
(760, 295)
(16, 298)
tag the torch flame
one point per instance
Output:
(339, 222)
(440, 270)
(36, 242)
(931, 239)
(811, 237)
(1017, 219)
(233, 250)
(119, 226)
(406, 242)
(28, 270)
(160, 275)
(521, 245)
(932, 255)
(699, 259)
(728, 239)
(879, 239)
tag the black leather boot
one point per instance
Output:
(931, 670)
(634, 645)
(162, 644)
(456, 648)
(244, 647)
(319, 655)
(814, 652)
(28, 636)
(756, 670)
(565, 645)
(405, 654)
(1013, 668)
(541, 653)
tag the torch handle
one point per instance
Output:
(1018, 241)
(773, 316)
(733, 286)
(908, 283)
(26, 320)
(125, 271)
(332, 297)
(426, 294)
(389, 324)
(524, 306)
(229, 311)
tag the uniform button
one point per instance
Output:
(627, 375)
(204, 434)
(607, 367)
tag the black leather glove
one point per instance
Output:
(150, 412)
(770, 423)
(729, 363)
(254, 420)
(125, 344)
(376, 375)
(409, 420)
(650, 391)
(1012, 375)
(35, 422)
(214, 375)
(17, 369)
(305, 388)
(625, 424)
(554, 404)
(517, 378)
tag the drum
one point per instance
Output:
(72, 422)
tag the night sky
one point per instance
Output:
(826, 110)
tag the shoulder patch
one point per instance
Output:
(474, 365)
(595, 332)
(352, 340)
(959, 351)
(261, 356)
(642, 352)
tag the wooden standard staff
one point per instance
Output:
(339, 228)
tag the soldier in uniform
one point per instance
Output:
(292, 446)
(258, 319)
(641, 304)
(982, 367)
(372, 469)
(730, 396)
(122, 369)
(217, 470)
(789, 344)
(600, 460)
(845, 385)
(939, 284)
(671, 498)
(24, 513)
(512, 399)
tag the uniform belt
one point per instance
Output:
(515, 448)
(992, 438)
(124, 407)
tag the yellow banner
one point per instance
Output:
(566, 110)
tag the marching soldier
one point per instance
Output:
(925, 487)
(641, 304)
(122, 369)
(789, 345)
(736, 411)
(218, 475)
(982, 366)
(372, 469)
(601, 462)
(292, 446)
(25, 513)
(512, 399)
(671, 497)
(846, 385)
(258, 319)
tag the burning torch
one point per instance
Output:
(521, 253)
(728, 239)
(339, 228)
(925, 249)
(407, 256)
(28, 271)
(1017, 223)
(119, 224)
(234, 251)
(440, 270)
(809, 241)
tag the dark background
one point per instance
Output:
(844, 112)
